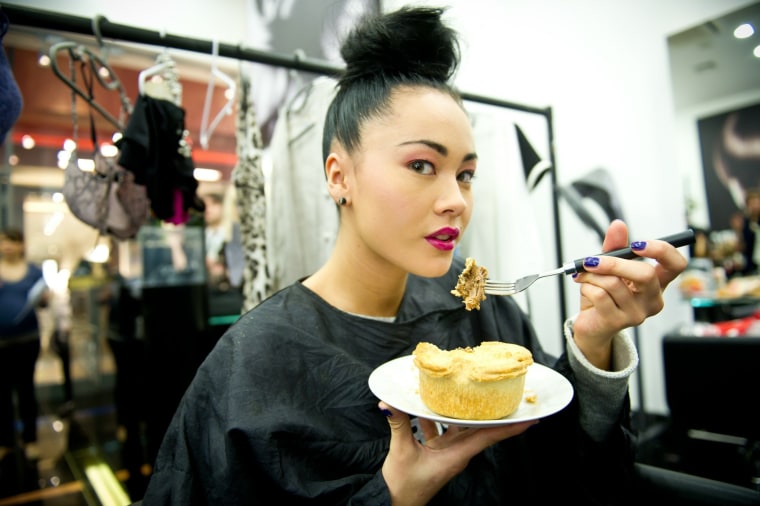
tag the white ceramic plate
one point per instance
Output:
(396, 382)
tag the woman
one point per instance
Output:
(281, 408)
(750, 246)
(22, 289)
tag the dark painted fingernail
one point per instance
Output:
(575, 275)
(638, 244)
(387, 412)
(591, 262)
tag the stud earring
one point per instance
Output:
(342, 201)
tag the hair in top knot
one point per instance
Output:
(409, 42)
(407, 47)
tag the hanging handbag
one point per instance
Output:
(132, 197)
(90, 195)
(106, 198)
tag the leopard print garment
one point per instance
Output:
(248, 178)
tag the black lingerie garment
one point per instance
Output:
(153, 148)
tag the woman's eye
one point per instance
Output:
(422, 167)
(466, 176)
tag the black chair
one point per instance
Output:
(711, 386)
(657, 485)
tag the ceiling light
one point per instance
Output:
(51, 225)
(86, 164)
(756, 51)
(743, 31)
(209, 175)
(108, 150)
(43, 59)
(27, 141)
(98, 254)
(43, 55)
(63, 158)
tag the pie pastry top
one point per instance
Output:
(491, 361)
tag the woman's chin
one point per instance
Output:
(435, 268)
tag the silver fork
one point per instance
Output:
(493, 287)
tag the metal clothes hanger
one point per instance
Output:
(110, 81)
(103, 72)
(206, 128)
(161, 80)
(296, 82)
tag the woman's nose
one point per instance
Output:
(452, 198)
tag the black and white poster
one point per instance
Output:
(730, 148)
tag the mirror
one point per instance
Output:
(713, 73)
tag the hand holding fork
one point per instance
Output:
(493, 287)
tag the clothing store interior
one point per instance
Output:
(137, 302)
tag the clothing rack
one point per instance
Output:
(100, 27)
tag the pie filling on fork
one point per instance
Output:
(471, 284)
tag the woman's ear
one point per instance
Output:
(335, 172)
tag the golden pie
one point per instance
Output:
(484, 382)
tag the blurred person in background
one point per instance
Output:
(224, 253)
(750, 228)
(224, 247)
(60, 309)
(217, 236)
(123, 297)
(734, 262)
(22, 290)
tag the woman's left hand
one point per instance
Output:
(414, 472)
(618, 293)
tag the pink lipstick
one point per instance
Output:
(443, 239)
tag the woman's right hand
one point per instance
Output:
(415, 472)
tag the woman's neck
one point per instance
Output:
(12, 260)
(348, 283)
(12, 269)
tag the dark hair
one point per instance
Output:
(751, 193)
(216, 197)
(410, 46)
(12, 234)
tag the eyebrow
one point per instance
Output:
(440, 148)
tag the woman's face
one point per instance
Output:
(410, 187)
(10, 249)
(753, 205)
(213, 212)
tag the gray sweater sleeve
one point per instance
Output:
(601, 393)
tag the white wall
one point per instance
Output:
(602, 67)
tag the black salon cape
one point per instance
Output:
(280, 412)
